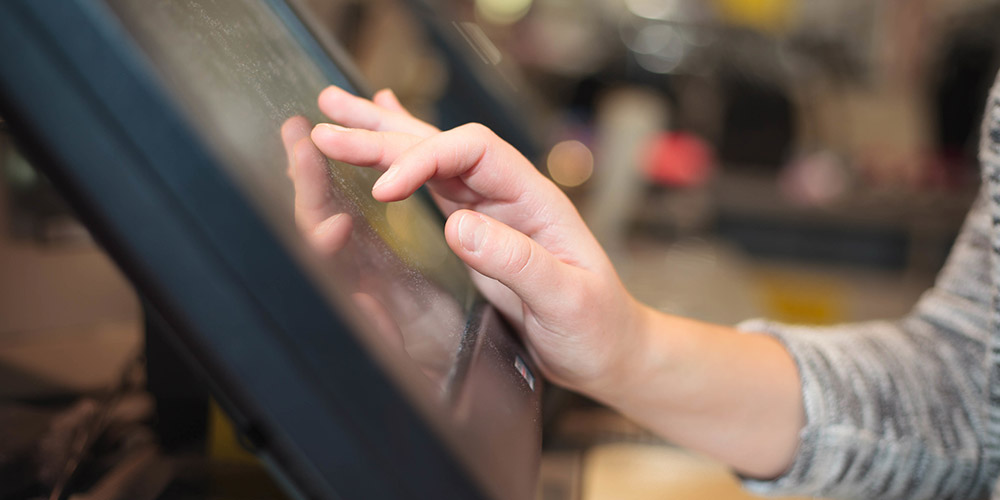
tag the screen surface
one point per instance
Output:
(241, 74)
(130, 110)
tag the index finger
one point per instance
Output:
(356, 112)
(364, 148)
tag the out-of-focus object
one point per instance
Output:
(692, 277)
(445, 67)
(627, 119)
(69, 359)
(67, 316)
(766, 15)
(678, 159)
(21, 429)
(502, 11)
(961, 71)
(570, 163)
(54, 448)
(565, 38)
(645, 472)
(817, 179)
(34, 211)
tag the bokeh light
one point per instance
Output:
(502, 11)
(766, 15)
(570, 163)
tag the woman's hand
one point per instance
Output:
(732, 395)
(535, 258)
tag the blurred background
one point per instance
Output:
(807, 161)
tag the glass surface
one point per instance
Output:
(241, 74)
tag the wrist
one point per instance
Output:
(633, 359)
(659, 368)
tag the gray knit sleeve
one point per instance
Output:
(895, 409)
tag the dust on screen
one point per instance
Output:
(240, 74)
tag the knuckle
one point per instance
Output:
(477, 130)
(379, 156)
(476, 140)
(520, 257)
(376, 120)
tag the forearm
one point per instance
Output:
(734, 396)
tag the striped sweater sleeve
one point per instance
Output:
(896, 409)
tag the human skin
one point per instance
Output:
(732, 395)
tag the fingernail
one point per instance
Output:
(386, 178)
(324, 131)
(471, 232)
(329, 128)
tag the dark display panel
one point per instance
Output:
(372, 372)
(241, 75)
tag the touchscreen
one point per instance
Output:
(241, 73)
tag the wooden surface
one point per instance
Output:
(655, 472)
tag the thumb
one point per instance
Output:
(500, 252)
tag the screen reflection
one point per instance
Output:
(250, 88)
